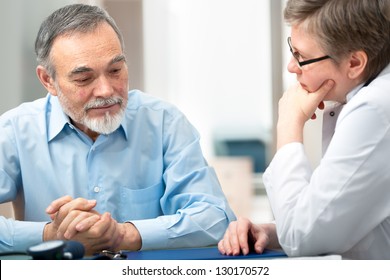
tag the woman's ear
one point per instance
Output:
(357, 64)
(46, 80)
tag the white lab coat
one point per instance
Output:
(343, 206)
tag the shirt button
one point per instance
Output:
(331, 114)
(96, 189)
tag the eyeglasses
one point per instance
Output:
(305, 62)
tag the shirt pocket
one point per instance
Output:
(140, 203)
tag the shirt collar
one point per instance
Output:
(57, 119)
(353, 92)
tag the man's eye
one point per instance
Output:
(116, 70)
(83, 80)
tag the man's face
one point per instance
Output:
(91, 79)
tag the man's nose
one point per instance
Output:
(104, 87)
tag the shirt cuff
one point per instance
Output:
(27, 234)
(289, 150)
(153, 233)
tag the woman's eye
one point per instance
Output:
(297, 55)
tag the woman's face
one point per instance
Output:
(312, 76)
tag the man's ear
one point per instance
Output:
(357, 64)
(46, 80)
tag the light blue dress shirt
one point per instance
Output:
(150, 171)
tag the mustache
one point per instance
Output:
(101, 102)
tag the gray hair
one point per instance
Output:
(343, 26)
(67, 20)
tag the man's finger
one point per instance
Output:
(57, 204)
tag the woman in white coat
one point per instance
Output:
(341, 54)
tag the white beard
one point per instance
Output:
(102, 125)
